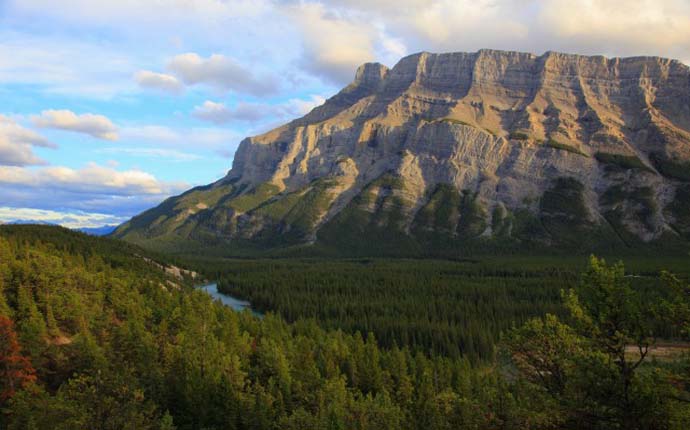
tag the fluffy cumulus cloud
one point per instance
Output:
(92, 178)
(97, 126)
(17, 142)
(221, 72)
(215, 112)
(333, 44)
(158, 81)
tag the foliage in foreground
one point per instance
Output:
(595, 371)
(123, 348)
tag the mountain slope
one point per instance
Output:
(454, 152)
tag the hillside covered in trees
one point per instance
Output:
(95, 335)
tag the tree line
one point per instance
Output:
(94, 340)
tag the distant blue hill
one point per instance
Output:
(98, 231)
(93, 231)
(29, 221)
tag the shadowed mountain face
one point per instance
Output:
(457, 152)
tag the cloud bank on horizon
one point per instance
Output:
(112, 106)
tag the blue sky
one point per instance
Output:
(110, 106)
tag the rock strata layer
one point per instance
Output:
(460, 151)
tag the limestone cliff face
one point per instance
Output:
(486, 147)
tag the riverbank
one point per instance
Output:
(228, 300)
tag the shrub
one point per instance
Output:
(679, 170)
(626, 162)
(518, 135)
(551, 143)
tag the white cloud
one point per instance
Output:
(219, 113)
(337, 35)
(395, 28)
(13, 154)
(302, 107)
(15, 132)
(16, 144)
(97, 126)
(334, 46)
(93, 48)
(92, 178)
(92, 188)
(221, 72)
(213, 112)
(69, 219)
(158, 81)
(15, 175)
(656, 27)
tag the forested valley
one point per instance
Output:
(95, 334)
(440, 307)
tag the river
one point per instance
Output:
(228, 300)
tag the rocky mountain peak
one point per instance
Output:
(463, 148)
(370, 75)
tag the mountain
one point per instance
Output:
(29, 221)
(93, 231)
(457, 153)
(98, 231)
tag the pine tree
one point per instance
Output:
(4, 307)
(30, 323)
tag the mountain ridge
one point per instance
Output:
(491, 148)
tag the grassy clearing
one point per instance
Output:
(664, 351)
(254, 198)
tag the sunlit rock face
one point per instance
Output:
(489, 149)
